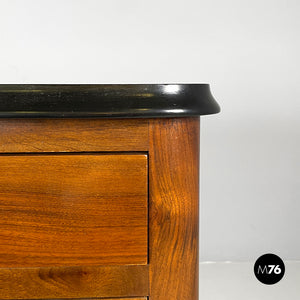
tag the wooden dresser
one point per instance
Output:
(99, 190)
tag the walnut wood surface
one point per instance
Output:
(74, 282)
(70, 210)
(140, 298)
(78, 135)
(173, 210)
(143, 298)
(173, 158)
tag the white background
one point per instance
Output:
(247, 50)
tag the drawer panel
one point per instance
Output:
(73, 135)
(74, 282)
(143, 298)
(72, 210)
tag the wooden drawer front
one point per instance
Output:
(71, 135)
(73, 209)
(74, 282)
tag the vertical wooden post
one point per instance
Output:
(173, 208)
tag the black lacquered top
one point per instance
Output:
(106, 100)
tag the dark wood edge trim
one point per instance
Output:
(106, 101)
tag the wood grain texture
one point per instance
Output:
(71, 210)
(74, 282)
(75, 135)
(142, 298)
(127, 298)
(173, 208)
(139, 298)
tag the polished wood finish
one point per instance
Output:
(105, 100)
(173, 218)
(140, 298)
(41, 192)
(78, 135)
(68, 210)
(143, 298)
(74, 282)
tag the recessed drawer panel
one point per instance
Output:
(65, 210)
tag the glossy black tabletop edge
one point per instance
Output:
(106, 100)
